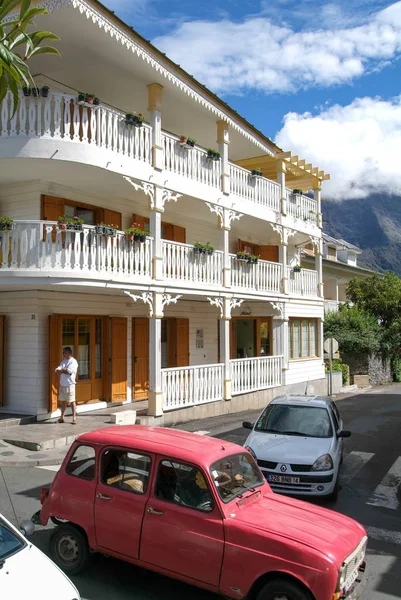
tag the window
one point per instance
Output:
(86, 214)
(127, 471)
(331, 253)
(305, 421)
(82, 463)
(234, 475)
(9, 542)
(184, 485)
(302, 338)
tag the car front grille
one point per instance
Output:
(301, 468)
(267, 464)
(353, 561)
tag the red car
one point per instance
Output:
(197, 509)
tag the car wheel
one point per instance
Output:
(69, 549)
(283, 589)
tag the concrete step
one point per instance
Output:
(14, 420)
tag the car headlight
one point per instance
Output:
(251, 451)
(323, 463)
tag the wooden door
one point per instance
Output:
(118, 358)
(54, 359)
(143, 222)
(140, 358)
(269, 253)
(112, 217)
(233, 339)
(182, 342)
(2, 359)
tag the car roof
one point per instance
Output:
(182, 445)
(302, 400)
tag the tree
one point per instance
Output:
(379, 295)
(17, 46)
(356, 330)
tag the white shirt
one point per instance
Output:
(71, 365)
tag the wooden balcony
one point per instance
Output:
(303, 283)
(264, 276)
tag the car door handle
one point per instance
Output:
(102, 497)
(152, 511)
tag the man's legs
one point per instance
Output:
(74, 411)
(63, 408)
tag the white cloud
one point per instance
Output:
(358, 144)
(256, 54)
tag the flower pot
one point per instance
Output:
(209, 252)
(183, 141)
(190, 144)
(96, 102)
(62, 225)
(81, 98)
(137, 237)
(110, 231)
(45, 91)
(255, 173)
(213, 156)
(35, 92)
(129, 237)
(297, 269)
(6, 226)
(197, 250)
(142, 238)
(89, 99)
(27, 91)
(99, 229)
(136, 121)
(74, 227)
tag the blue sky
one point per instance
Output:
(320, 77)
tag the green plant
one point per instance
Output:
(70, 220)
(256, 172)
(14, 69)
(191, 141)
(338, 367)
(297, 191)
(356, 330)
(242, 255)
(213, 154)
(396, 368)
(6, 221)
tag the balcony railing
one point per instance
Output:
(331, 306)
(301, 207)
(187, 386)
(182, 263)
(41, 246)
(190, 162)
(255, 189)
(303, 283)
(59, 116)
(251, 374)
(264, 276)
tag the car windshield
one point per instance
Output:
(234, 475)
(305, 421)
(10, 543)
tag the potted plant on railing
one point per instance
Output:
(297, 192)
(6, 224)
(134, 118)
(107, 230)
(187, 142)
(297, 269)
(35, 92)
(253, 259)
(27, 91)
(135, 233)
(242, 255)
(45, 91)
(213, 154)
(203, 248)
(256, 173)
(72, 223)
(87, 99)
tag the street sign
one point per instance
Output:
(331, 346)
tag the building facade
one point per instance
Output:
(209, 304)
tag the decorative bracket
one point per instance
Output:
(279, 307)
(167, 196)
(219, 303)
(169, 299)
(235, 303)
(284, 232)
(146, 297)
(226, 215)
(150, 190)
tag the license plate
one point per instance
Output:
(349, 582)
(282, 479)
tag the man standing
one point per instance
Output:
(68, 373)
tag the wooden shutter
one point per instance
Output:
(182, 342)
(2, 359)
(140, 353)
(52, 208)
(242, 244)
(143, 222)
(112, 217)
(233, 339)
(167, 232)
(269, 253)
(118, 359)
(54, 359)
(179, 234)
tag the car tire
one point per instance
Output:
(283, 589)
(69, 548)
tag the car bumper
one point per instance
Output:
(358, 588)
(310, 484)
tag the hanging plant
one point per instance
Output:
(207, 249)
(72, 223)
(296, 191)
(213, 154)
(256, 173)
(134, 118)
(45, 91)
(6, 224)
(187, 142)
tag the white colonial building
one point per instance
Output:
(158, 319)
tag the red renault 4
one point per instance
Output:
(197, 509)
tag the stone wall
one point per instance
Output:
(378, 368)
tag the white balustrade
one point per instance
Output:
(303, 283)
(251, 374)
(182, 263)
(256, 189)
(60, 117)
(301, 207)
(190, 162)
(331, 306)
(263, 276)
(188, 386)
(42, 246)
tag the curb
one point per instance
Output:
(41, 462)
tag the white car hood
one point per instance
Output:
(29, 574)
(288, 448)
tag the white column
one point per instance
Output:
(225, 247)
(337, 294)
(156, 232)
(286, 342)
(155, 395)
(317, 194)
(223, 140)
(281, 168)
(225, 328)
(283, 258)
(155, 95)
(319, 268)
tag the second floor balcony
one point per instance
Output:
(41, 248)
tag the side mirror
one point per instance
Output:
(247, 425)
(344, 433)
(27, 528)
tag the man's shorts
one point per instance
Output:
(67, 394)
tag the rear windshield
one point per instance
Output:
(10, 543)
(234, 475)
(305, 421)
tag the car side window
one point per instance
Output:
(184, 485)
(126, 470)
(82, 463)
(334, 417)
(335, 410)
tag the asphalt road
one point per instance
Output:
(370, 493)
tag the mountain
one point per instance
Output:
(373, 224)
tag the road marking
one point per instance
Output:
(50, 467)
(384, 535)
(201, 432)
(385, 493)
(353, 463)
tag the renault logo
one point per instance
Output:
(283, 468)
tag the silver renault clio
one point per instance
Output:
(298, 444)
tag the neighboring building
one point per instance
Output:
(156, 319)
(340, 265)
